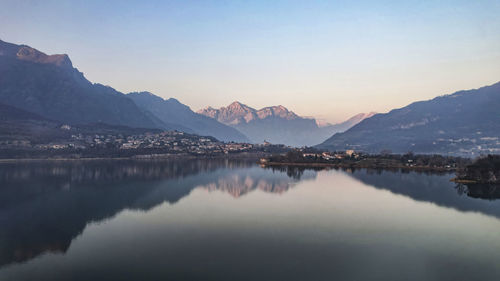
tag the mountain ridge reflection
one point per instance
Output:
(238, 185)
(435, 188)
(44, 206)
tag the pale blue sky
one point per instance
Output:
(329, 59)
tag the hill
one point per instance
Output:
(17, 126)
(171, 110)
(51, 87)
(346, 125)
(464, 123)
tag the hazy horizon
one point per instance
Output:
(329, 59)
(127, 175)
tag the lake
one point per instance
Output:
(234, 220)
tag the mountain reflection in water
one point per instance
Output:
(45, 206)
(433, 187)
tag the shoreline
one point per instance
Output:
(136, 158)
(463, 181)
(331, 165)
(466, 181)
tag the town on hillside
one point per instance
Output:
(145, 145)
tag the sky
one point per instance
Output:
(325, 59)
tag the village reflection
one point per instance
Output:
(44, 206)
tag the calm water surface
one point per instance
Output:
(225, 220)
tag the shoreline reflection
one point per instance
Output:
(45, 206)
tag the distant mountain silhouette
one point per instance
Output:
(346, 125)
(275, 124)
(238, 113)
(463, 123)
(50, 87)
(171, 110)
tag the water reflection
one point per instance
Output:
(245, 181)
(43, 206)
(482, 191)
(432, 187)
(265, 219)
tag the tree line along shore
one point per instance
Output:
(484, 170)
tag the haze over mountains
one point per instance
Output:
(39, 92)
(276, 124)
(19, 129)
(50, 87)
(463, 123)
(172, 111)
(331, 129)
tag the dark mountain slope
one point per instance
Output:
(20, 125)
(173, 111)
(10, 113)
(347, 124)
(51, 87)
(466, 123)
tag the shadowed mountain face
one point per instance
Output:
(173, 111)
(22, 126)
(50, 87)
(17, 124)
(464, 123)
(9, 113)
(275, 124)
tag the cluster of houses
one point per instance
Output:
(482, 145)
(174, 141)
(171, 141)
(332, 155)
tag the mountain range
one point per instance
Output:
(40, 92)
(344, 126)
(462, 123)
(172, 111)
(50, 87)
(276, 124)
